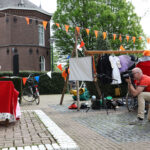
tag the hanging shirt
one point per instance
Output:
(125, 62)
(115, 64)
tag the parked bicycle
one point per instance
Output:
(30, 92)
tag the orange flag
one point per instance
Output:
(127, 37)
(114, 35)
(27, 19)
(120, 38)
(148, 40)
(24, 80)
(82, 44)
(96, 33)
(78, 29)
(140, 38)
(87, 31)
(45, 24)
(66, 27)
(133, 38)
(122, 48)
(57, 24)
(59, 67)
(104, 35)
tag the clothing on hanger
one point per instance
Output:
(115, 64)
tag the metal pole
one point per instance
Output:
(77, 82)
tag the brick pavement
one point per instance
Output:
(87, 129)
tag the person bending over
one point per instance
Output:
(142, 91)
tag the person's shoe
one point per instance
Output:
(138, 121)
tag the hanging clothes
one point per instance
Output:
(104, 69)
(125, 62)
(115, 64)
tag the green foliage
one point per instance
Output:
(112, 16)
(47, 85)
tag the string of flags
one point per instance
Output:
(105, 34)
(37, 78)
(65, 72)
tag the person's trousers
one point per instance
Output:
(142, 97)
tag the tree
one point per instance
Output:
(111, 16)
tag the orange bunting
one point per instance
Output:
(96, 33)
(66, 27)
(45, 24)
(65, 74)
(104, 35)
(120, 38)
(82, 44)
(140, 38)
(87, 31)
(57, 24)
(59, 67)
(24, 80)
(148, 40)
(122, 48)
(114, 35)
(27, 20)
(127, 37)
(133, 38)
(78, 29)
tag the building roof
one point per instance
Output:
(21, 4)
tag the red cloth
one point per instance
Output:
(145, 67)
(145, 82)
(8, 100)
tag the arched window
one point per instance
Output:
(42, 63)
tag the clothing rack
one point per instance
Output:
(94, 52)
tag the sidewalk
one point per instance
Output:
(94, 130)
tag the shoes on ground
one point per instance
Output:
(73, 106)
(136, 122)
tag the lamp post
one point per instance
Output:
(52, 53)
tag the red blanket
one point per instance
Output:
(8, 101)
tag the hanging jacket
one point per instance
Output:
(104, 69)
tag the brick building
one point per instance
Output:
(30, 42)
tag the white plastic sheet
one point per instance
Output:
(81, 69)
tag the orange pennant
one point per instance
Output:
(122, 48)
(114, 35)
(127, 37)
(82, 44)
(45, 24)
(78, 29)
(59, 67)
(148, 40)
(133, 38)
(87, 31)
(120, 38)
(104, 35)
(57, 24)
(27, 19)
(66, 27)
(140, 38)
(96, 33)
(24, 80)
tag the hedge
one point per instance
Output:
(47, 85)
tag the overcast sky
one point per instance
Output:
(142, 8)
